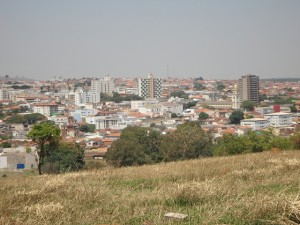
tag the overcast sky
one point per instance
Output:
(217, 39)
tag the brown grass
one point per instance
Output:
(246, 189)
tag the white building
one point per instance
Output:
(141, 103)
(279, 119)
(46, 109)
(82, 97)
(104, 85)
(256, 123)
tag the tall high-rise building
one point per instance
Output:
(150, 87)
(249, 88)
(104, 85)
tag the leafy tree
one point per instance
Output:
(15, 119)
(42, 134)
(5, 145)
(117, 97)
(203, 116)
(174, 115)
(236, 117)
(136, 146)
(87, 128)
(152, 124)
(293, 109)
(179, 94)
(189, 141)
(199, 86)
(189, 105)
(66, 157)
(220, 86)
(248, 105)
(33, 118)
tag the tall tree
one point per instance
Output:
(136, 146)
(236, 116)
(248, 105)
(187, 142)
(42, 134)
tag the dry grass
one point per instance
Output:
(246, 189)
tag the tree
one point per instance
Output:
(174, 115)
(220, 86)
(42, 134)
(248, 105)
(87, 128)
(5, 145)
(236, 116)
(203, 116)
(293, 109)
(179, 94)
(66, 157)
(189, 141)
(199, 86)
(136, 146)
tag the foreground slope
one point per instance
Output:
(246, 189)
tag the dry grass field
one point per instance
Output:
(246, 189)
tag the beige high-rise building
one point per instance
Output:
(150, 87)
(249, 88)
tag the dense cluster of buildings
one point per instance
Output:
(165, 104)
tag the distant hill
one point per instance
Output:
(260, 188)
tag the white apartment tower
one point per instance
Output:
(150, 87)
(104, 85)
(249, 88)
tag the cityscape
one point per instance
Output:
(109, 105)
(150, 112)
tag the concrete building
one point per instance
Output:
(104, 85)
(46, 109)
(256, 123)
(150, 87)
(249, 88)
(280, 119)
(83, 96)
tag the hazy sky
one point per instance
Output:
(219, 39)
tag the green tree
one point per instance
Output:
(5, 145)
(42, 134)
(248, 105)
(199, 86)
(187, 142)
(189, 105)
(220, 86)
(203, 116)
(136, 146)
(66, 157)
(236, 116)
(117, 98)
(174, 115)
(87, 128)
(179, 94)
(293, 109)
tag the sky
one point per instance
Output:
(215, 39)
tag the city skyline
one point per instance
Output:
(212, 39)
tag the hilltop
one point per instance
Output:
(258, 188)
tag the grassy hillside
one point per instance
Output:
(246, 189)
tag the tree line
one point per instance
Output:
(139, 146)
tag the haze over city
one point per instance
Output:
(213, 39)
